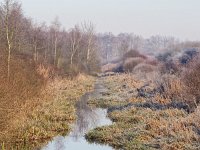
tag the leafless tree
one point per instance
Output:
(55, 28)
(10, 12)
(88, 29)
(75, 40)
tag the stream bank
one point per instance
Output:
(88, 118)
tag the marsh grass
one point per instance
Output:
(145, 128)
(32, 113)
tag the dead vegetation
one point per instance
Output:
(191, 78)
(24, 84)
(35, 105)
(163, 112)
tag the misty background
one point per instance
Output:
(178, 18)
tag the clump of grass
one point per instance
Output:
(144, 128)
(119, 91)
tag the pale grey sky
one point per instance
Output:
(179, 18)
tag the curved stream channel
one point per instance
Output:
(87, 119)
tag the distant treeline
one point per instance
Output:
(79, 49)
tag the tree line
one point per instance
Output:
(79, 49)
(74, 50)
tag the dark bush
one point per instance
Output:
(164, 57)
(170, 67)
(188, 56)
(133, 53)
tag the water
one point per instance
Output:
(87, 119)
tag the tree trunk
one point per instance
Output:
(35, 53)
(71, 59)
(9, 53)
(55, 52)
(88, 55)
(9, 57)
(88, 51)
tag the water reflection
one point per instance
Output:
(87, 118)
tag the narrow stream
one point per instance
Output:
(87, 119)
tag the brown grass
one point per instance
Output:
(50, 116)
(174, 87)
(34, 107)
(15, 95)
(144, 128)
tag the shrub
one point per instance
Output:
(73, 71)
(110, 67)
(133, 53)
(46, 72)
(151, 62)
(145, 68)
(188, 56)
(164, 57)
(191, 78)
(173, 87)
(170, 67)
(130, 63)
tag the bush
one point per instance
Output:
(133, 53)
(191, 78)
(170, 67)
(145, 68)
(188, 56)
(173, 87)
(151, 62)
(109, 67)
(130, 63)
(164, 57)
(72, 71)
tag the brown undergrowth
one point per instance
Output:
(34, 107)
(146, 126)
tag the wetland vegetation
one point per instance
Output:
(79, 88)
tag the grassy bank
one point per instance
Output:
(46, 115)
(143, 127)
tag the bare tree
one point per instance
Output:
(75, 40)
(10, 10)
(88, 29)
(55, 28)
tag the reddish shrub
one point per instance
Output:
(130, 63)
(109, 67)
(143, 67)
(152, 62)
(170, 67)
(191, 78)
(133, 53)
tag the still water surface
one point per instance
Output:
(87, 119)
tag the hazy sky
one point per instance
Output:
(179, 18)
